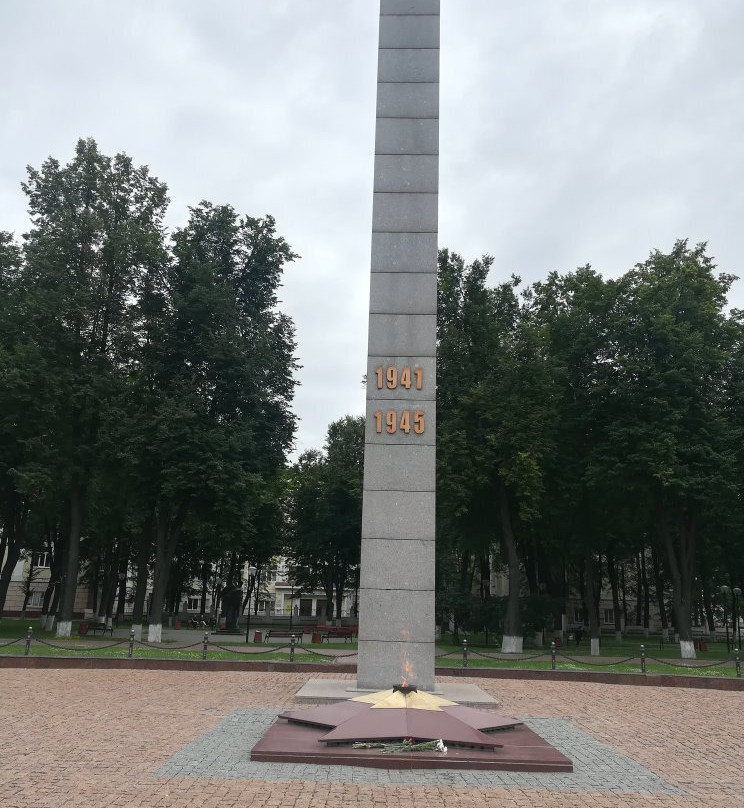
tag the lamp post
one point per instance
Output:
(725, 590)
(251, 584)
(735, 617)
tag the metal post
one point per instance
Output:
(291, 648)
(643, 659)
(552, 656)
(738, 663)
(29, 634)
(131, 643)
(465, 652)
(206, 645)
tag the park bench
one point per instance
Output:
(282, 632)
(94, 628)
(337, 632)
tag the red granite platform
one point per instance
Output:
(522, 750)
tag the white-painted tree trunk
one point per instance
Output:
(64, 628)
(618, 636)
(49, 623)
(137, 629)
(687, 649)
(109, 622)
(511, 645)
(595, 646)
(155, 632)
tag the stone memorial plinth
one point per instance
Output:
(396, 597)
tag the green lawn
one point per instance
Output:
(631, 646)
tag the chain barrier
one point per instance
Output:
(506, 657)
(248, 653)
(332, 656)
(29, 640)
(12, 642)
(85, 648)
(577, 661)
(691, 665)
(159, 647)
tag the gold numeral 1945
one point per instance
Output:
(407, 421)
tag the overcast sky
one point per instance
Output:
(572, 132)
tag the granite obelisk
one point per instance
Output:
(396, 596)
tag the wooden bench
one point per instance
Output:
(336, 632)
(272, 632)
(103, 628)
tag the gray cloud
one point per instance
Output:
(572, 132)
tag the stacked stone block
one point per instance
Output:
(396, 600)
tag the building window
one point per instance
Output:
(193, 605)
(609, 616)
(578, 614)
(36, 599)
(41, 559)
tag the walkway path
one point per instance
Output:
(148, 739)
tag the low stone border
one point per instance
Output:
(603, 677)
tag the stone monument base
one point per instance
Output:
(404, 728)
(340, 689)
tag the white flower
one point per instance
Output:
(440, 746)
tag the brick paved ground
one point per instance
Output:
(104, 738)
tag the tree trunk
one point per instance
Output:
(590, 601)
(679, 543)
(204, 589)
(659, 586)
(27, 587)
(708, 607)
(624, 592)
(11, 544)
(72, 557)
(639, 599)
(13, 553)
(140, 585)
(612, 574)
(340, 585)
(646, 595)
(513, 639)
(168, 531)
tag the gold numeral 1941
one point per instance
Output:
(390, 378)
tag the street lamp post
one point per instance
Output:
(251, 584)
(725, 590)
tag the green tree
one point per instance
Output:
(96, 227)
(495, 428)
(325, 510)
(215, 386)
(672, 432)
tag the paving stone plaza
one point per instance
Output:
(156, 738)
